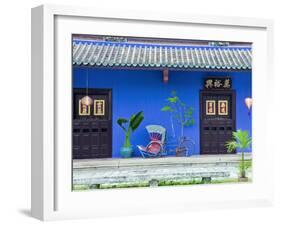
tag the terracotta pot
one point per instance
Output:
(180, 152)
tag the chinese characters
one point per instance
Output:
(210, 107)
(84, 109)
(98, 107)
(223, 107)
(218, 83)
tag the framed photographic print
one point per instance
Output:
(127, 108)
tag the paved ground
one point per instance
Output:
(132, 170)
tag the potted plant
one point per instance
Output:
(183, 115)
(129, 126)
(242, 141)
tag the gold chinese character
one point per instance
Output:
(217, 83)
(209, 83)
(226, 83)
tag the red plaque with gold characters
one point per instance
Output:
(99, 107)
(223, 107)
(210, 107)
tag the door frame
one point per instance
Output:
(96, 91)
(202, 92)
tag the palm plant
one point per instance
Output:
(241, 140)
(129, 126)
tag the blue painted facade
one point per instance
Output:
(143, 90)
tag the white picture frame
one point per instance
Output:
(52, 198)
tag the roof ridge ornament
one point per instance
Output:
(115, 39)
(219, 43)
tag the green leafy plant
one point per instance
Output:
(179, 112)
(243, 167)
(130, 125)
(241, 140)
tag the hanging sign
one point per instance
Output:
(217, 83)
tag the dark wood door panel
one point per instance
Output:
(92, 133)
(217, 120)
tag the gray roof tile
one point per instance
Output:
(110, 54)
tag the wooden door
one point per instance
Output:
(217, 120)
(92, 125)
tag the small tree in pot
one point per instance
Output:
(242, 141)
(183, 115)
(129, 126)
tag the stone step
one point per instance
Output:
(133, 174)
(196, 159)
(114, 171)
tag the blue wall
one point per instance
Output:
(136, 90)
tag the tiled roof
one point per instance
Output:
(114, 54)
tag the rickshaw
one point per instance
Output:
(158, 145)
(155, 147)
